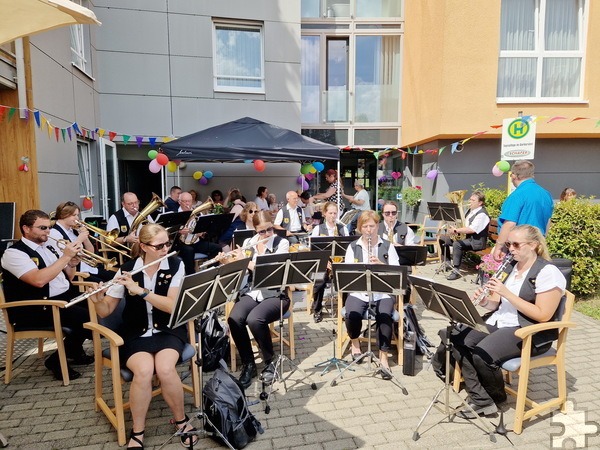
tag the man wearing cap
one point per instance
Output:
(359, 201)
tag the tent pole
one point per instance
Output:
(339, 192)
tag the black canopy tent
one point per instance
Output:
(248, 139)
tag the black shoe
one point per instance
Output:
(54, 367)
(357, 357)
(318, 317)
(247, 373)
(267, 376)
(485, 410)
(453, 276)
(81, 360)
(385, 373)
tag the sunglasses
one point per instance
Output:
(268, 230)
(390, 213)
(516, 245)
(42, 227)
(252, 211)
(159, 246)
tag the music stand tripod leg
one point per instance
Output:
(333, 361)
(278, 370)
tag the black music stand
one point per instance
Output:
(239, 236)
(201, 292)
(457, 307)
(173, 221)
(444, 212)
(213, 224)
(280, 271)
(411, 255)
(370, 278)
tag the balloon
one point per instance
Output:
(309, 176)
(396, 175)
(203, 181)
(300, 179)
(177, 161)
(304, 185)
(504, 166)
(305, 169)
(496, 171)
(248, 161)
(259, 165)
(319, 166)
(182, 165)
(172, 166)
(152, 154)
(208, 174)
(154, 166)
(197, 175)
(87, 203)
(311, 169)
(162, 159)
(432, 174)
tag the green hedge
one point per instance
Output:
(575, 234)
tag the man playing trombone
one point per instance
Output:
(123, 218)
(32, 269)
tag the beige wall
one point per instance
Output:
(450, 70)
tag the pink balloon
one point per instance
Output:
(432, 174)
(309, 176)
(496, 171)
(154, 166)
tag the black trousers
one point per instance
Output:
(248, 313)
(187, 252)
(458, 249)
(318, 293)
(384, 308)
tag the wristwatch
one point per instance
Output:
(144, 294)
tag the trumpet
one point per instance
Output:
(230, 253)
(112, 282)
(500, 274)
(90, 258)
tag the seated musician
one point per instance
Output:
(189, 244)
(360, 201)
(331, 227)
(67, 227)
(531, 294)
(370, 249)
(258, 308)
(393, 231)
(476, 228)
(32, 269)
(291, 218)
(150, 346)
(245, 221)
(124, 217)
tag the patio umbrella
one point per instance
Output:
(20, 18)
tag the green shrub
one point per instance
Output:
(412, 195)
(575, 234)
(493, 199)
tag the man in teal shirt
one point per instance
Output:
(529, 204)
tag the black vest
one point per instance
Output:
(323, 231)
(479, 239)
(135, 315)
(286, 222)
(400, 232)
(383, 249)
(122, 221)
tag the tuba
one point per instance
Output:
(142, 218)
(458, 198)
(190, 238)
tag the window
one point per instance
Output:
(79, 45)
(311, 79)
(238, 60)
(541, 50)
(84, 162)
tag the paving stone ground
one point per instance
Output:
(361, 411)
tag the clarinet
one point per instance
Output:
(498, 274)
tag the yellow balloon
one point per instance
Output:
(312, 169)
(171, 166)
(197, 175)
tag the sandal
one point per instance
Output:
(134, 437)
(181, 427)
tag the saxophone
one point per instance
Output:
(458, 198)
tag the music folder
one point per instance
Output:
(213, 224)
(411, 255)
(171, 219)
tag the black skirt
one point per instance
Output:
(151, 344)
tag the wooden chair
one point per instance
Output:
(429, 232)
(109, 358)
(523, 365)
(22, 331)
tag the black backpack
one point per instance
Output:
(225, 406)
(215, 342)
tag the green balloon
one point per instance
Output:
(152, 154)
(504, 166)
(305, 169)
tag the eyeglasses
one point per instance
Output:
(390, 213)
(516, 245)
(42, 227)
(159, 246)
(268, 230)
(252, 211)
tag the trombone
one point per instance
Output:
(109, 238)
(90, 258)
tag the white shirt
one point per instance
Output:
(409, 239)
(84, 267)
(261, 203)
(19, 263)
(113, 224)
(479, 222)
(362, 195)
(118, 290)
(295, 224)
(283, 247)
(392, 261)
(507, 315)
(330, 231)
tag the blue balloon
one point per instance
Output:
(208, 174)
(319, 166)
(248, 161)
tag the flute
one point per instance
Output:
(226, 255)
(499, 273)
(112, 282)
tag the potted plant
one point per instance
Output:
(411, 196)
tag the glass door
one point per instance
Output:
(109, 183)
